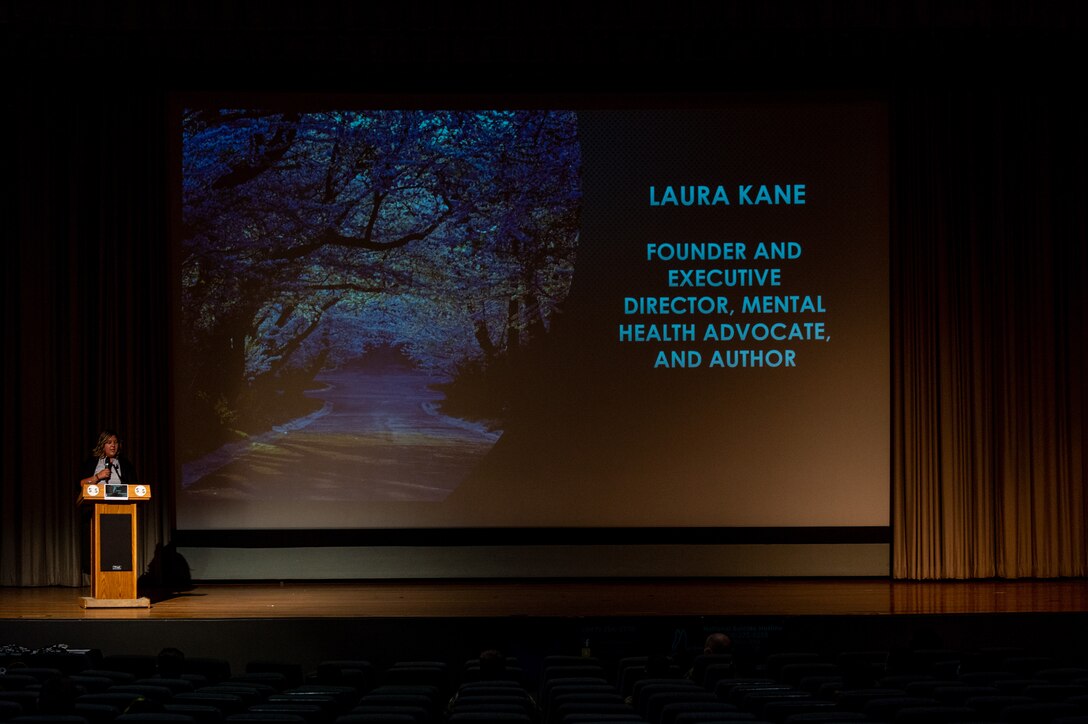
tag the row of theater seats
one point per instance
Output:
(921, 687)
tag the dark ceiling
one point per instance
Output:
(486, 45)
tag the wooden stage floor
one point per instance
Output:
(580, 598)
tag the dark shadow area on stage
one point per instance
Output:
(168, 575)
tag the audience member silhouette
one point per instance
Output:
(718, 643)
(170, 663)
(492, 665)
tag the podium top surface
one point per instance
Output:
(110, 493)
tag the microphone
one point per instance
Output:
(109, 467)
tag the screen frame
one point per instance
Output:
(262, 538)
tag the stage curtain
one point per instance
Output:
(989, 328)
(85, 317)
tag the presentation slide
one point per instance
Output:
(392, 317)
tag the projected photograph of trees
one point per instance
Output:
(359, 291)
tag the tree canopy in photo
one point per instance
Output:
(309, 238)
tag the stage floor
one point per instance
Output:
(549, 598)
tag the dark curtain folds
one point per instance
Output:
(989, 327)
(85, 313)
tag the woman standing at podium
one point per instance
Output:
(106, 464)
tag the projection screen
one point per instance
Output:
(390, 317)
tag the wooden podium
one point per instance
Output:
(113, 544)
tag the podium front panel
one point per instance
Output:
(113, 568)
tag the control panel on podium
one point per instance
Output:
(113, 544)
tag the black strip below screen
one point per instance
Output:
(532, 536)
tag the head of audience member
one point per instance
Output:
(492, 664)
(718, 643)
(170, 663)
